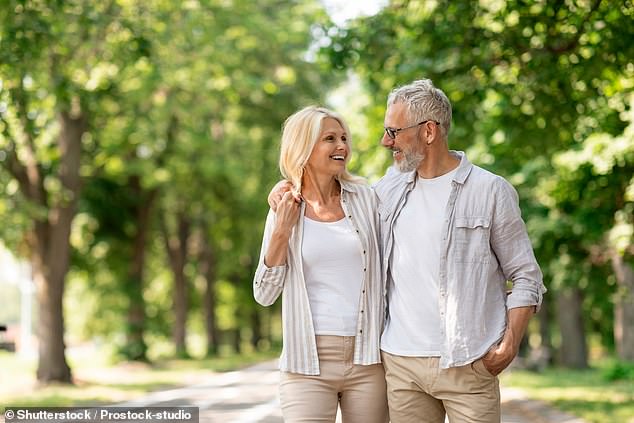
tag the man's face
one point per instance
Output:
(407, 148)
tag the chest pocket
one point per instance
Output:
(471, 240)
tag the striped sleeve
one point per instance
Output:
(268, 282)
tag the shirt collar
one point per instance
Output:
(348, 186)
(464, 168)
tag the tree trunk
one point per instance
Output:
(573, 350)
(136, 348)
(256, 329)
(545, 354)
(50, 249)
(208, 271)
(176, 247)
(52, 365)
(624, 308)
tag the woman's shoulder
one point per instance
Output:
(357, 185)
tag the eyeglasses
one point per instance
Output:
(391, 132)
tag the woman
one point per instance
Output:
(320, 251)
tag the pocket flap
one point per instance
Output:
(472, 222)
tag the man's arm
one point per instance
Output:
(513, 249)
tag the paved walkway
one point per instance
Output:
(250, 396)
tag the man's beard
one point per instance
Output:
(410, 161)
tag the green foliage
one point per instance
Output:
(619, 370)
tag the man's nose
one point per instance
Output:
(386, 141)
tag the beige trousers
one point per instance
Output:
(358, 390)
(420, 391)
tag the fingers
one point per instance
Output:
(291, 197)
(276, 194)
(297, 196)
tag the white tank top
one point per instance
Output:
(333, 270)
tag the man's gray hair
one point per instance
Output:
(424, 101)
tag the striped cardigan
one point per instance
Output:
(299, 351)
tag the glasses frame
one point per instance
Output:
(393, 132)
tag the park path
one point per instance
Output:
(250, 396)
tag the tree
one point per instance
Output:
(52, 73)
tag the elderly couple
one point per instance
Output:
(394, 297)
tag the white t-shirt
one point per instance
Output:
(413, 327)
(333, 271)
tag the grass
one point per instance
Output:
(98, 382)
(590, 394)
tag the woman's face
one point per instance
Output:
(331, 151)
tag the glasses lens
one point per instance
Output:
(390, 132)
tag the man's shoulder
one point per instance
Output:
(482, 180)
(483, 177)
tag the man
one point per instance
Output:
(452, 236)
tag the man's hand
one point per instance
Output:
(278, 191)
(499, 357)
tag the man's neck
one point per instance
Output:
(437, 164)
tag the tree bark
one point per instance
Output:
(50, 249)
(176, 247)
(136, 348)
(545, 353)
(624, 308)
(207, 261)
(573, 350)
(256, 328)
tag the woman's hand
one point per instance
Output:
(287, 213)
(285, 219)
(278, 191)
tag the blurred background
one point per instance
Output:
(139, 140)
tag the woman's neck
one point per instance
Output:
(322, 197)
(321, 189)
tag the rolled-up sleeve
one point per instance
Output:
(268, 282)
(512, 247)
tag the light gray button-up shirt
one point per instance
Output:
(299, 350)
(484, 245)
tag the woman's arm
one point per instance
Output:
(268, 281)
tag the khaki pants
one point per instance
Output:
(420, 391)
(359, 390)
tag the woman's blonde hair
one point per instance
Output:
(300, 133)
